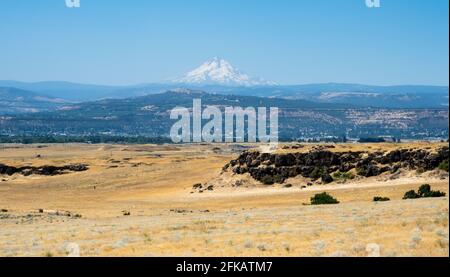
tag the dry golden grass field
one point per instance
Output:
(138, 200)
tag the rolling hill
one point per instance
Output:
(13, 100)
(149, 116)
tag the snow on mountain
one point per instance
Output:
(220, 72)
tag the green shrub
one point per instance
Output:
(317, 173)
(381, 199)
(411, 195)
(444, 166)
(423, 192)
(435, 193)
(278, 179)
(323, 198)
(338, 175)
(267, 180)
(270, 180)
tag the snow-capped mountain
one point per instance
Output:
(220, 72)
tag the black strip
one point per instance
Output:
(302, 266)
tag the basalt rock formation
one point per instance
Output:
(42, 170)
(276, 168)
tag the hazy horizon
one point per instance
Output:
(206, 85)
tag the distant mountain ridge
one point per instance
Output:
(65, 90)
(13, 100)
(404, 96)
(149, 116)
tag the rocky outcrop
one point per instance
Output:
(321, 163)
(47, 170)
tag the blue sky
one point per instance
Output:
(287, 41)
